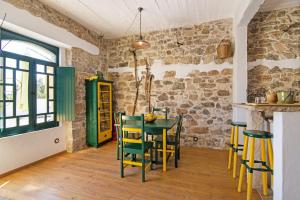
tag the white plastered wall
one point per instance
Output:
(19, 150)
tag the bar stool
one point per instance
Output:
(234, 145)
(249, 164)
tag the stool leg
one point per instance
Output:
(235, 154)
(243, 167)
(230, 148)
(270, 154)
(264, 174)
(250, 174)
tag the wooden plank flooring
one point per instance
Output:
(95, 174)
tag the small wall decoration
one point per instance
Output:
(224, 49)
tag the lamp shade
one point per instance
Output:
(140, 44)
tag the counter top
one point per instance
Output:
(269, 107)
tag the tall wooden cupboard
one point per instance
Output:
(98, 111)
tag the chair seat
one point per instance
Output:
(258, 134)
(240, 124)
(170, 139)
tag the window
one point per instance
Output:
(27, 84)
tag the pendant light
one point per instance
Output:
(140, 44)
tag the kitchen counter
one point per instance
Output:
(269, 107)
(260, 117)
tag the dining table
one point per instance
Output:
(161, 126)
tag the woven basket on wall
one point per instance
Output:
(224, 49)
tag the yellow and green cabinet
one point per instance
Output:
(98, 111)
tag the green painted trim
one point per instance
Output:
(258, 134)
(263, 164)
(33, 126)
(9, 35)
(132, 118)
(65, 93)
(91, 93)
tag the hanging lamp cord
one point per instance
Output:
(140, 10)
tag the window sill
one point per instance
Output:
(25, 130)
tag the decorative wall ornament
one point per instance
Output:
(137, 81)
(148, 83)
(224, 49)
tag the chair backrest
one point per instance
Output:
(133, 125)
(165, 112)
(178, 129)
(117, 121)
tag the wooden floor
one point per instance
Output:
(95, 174)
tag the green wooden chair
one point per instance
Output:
(165, 112)
(134, 147)
(118, 131)
(172, 140)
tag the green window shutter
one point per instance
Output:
(65, 93)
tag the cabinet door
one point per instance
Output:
(104, 110)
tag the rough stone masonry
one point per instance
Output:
(203, 96)
(274, 36)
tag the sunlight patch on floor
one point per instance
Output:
(2, 185)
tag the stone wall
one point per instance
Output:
(274, 52)
(203, 97)
(188, 79)
(84, 63)
(199, 45)
(262, 78)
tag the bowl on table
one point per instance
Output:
(150, 118)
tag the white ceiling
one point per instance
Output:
(114, 18)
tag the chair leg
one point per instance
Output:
(156, 152)
(122, 164)
(178, 152)
(243, 167)
(118, 148)
(176, 156)
(133, 159)
(235, 154)
(230, 148)
(143, 168)
(151, 157)
(250, 175)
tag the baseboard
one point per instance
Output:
(30, 164)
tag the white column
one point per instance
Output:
(286, 139)
(243, 14)
(239, 82)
